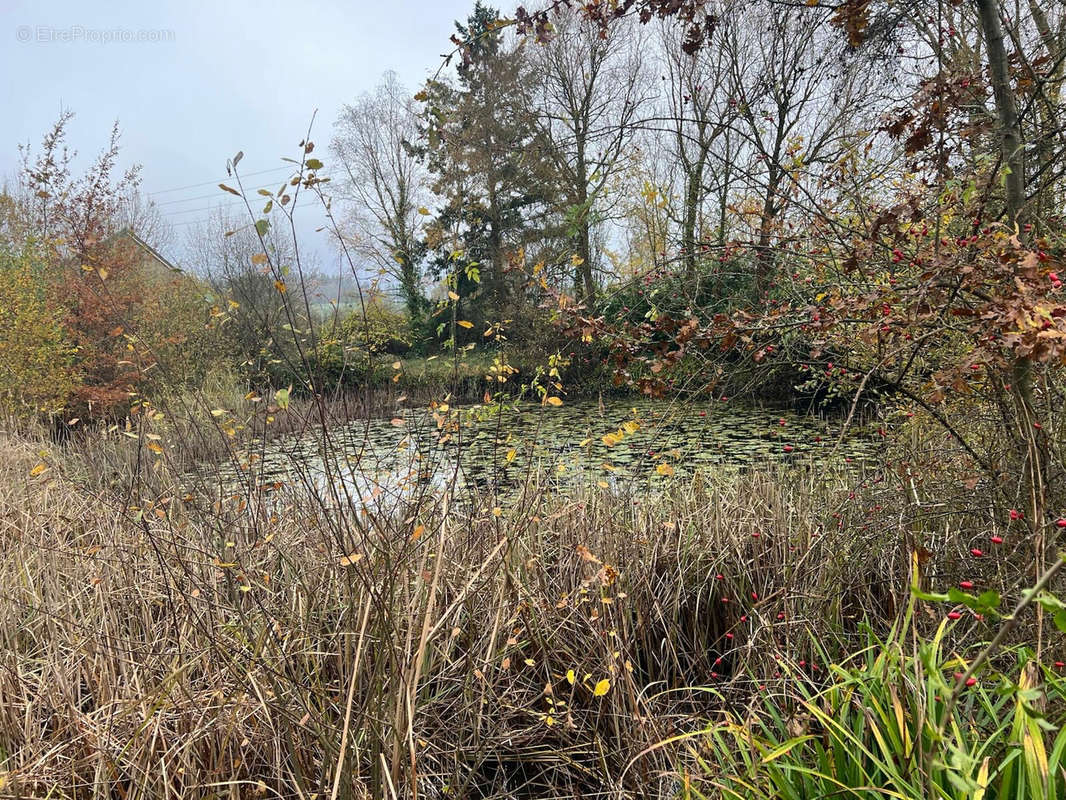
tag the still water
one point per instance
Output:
(496, 449)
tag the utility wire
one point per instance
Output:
(220, 180)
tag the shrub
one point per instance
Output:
(36, 358)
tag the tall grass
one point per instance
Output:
(178, 648)
(882, 726)
(161, 640)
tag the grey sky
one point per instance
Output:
(220, 77)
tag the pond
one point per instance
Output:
(495, 449)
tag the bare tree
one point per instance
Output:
(384, 185)
(798, 109)
(226, 253)
(592, 87)
(698, 116)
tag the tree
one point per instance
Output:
(700, 113)
(76, 225)
(591, 90)
(36, 358)
(229, 256)
(385, 185)
(490, 163)
(798, 110)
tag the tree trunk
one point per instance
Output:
(1031, 440)
(692, 204)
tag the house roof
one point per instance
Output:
(163, 260)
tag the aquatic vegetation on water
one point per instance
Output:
(496, 448)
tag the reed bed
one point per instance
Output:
(156, 644)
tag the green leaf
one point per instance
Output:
(930, 597)
(1050, 603)
(262, 226)
(959, 596)
(313, 163)
(1060, 621)
(989, 599)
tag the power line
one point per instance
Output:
(215, 194)
(220, 180)
(212, 208)
(230, 204)
(202, 197)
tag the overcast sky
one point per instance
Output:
(209, 79)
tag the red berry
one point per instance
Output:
(997, 540)
(966, 585)
(976, 553)
(954, 615)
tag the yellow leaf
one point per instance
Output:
(664, 469)
(497, 511)
(511, 455)
(396, 365)
(423, 211)
(453, 296)
(38, 469)
(351, 558)
(602, 484)
(465, 323)
(396, 421)
(417, 532)
(280, 286)
(602, 688)
(576, 260)
(259, 258)
(570, 677)
(554, 401)
(155, 448)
